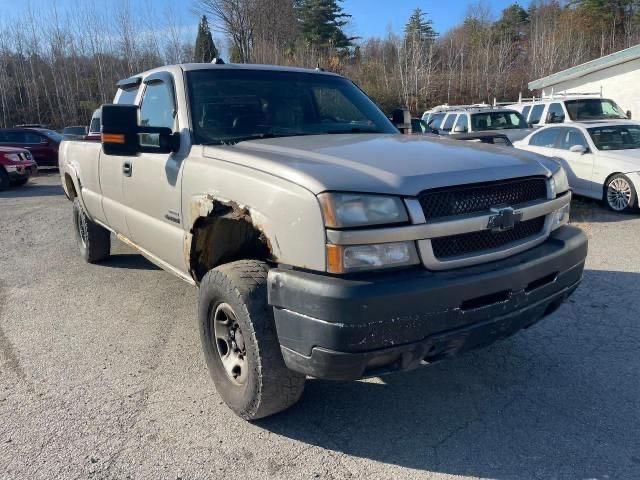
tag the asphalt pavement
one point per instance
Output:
(102, 377)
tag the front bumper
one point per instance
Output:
(20, 171)
(339, 328)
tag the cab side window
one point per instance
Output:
(462, 124)
(157, 109)
(525, 111)
(536, 114)
(571, 137)
(448, 123)
(128, 96)
(545, 138)
(555, 113)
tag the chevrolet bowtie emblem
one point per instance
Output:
(504, 219)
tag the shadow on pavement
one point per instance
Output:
(133, 261)
(585, 210)
(561, 400)
(31, 190)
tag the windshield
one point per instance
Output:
(497, 121)
(55, 136)
(230, 105)
(623, 137)
(593, 109)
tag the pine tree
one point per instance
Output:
(321, 23)
(205, 49)
(419, 28)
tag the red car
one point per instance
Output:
(41, 142)
(16, 166)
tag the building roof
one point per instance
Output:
(593, 66)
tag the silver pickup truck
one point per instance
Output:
(324, 243)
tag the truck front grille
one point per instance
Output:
(445, 248)
(481, 197)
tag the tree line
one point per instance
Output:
(62, 64)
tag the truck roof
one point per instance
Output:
(186, 67)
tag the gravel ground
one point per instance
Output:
(102, 376)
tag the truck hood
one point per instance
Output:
(381, 163)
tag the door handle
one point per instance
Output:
(127, 168)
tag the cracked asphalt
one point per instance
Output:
(102, 376)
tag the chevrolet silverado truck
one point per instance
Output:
(324, 243)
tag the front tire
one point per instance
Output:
(240, 344)
(619, 193)
(94, 241)
(20, 182)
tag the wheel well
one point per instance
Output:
(71, 188)
(227, 234)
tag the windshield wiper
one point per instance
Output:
(255, 136)
(353, 130)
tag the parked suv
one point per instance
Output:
(16, 166)
(323, 241)
(567, 109)
(41, 142)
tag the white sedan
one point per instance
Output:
(602, 158)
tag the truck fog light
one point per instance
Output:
(561, 216)
(353, 258)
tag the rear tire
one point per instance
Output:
(619, 194)
(240, 344)
(93, 240)
(5, 182)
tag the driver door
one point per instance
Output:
(579, 164)
(152, 180)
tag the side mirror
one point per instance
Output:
(401, 118)
(459, 129)
(629, 114)
(581, 149)
(122, 135)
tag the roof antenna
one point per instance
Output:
(319, 68)
(217, 61)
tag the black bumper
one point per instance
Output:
(23, 172)
(338, 328)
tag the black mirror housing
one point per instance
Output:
(120, 130)
(122, 135)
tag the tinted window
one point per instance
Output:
(463, 122)
(497, 121)
(157, 106)
(448, 123)
(545, 138)
(536, 114)
(436, 119)
(52, 135)
(14, 137)
(616, 137)
(593, 109)
(418, 125)
(233, 105)
(127, 97)
(555, 113)
(32, 138)
(525, 111)
(571, 137)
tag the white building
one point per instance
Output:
(616, 76)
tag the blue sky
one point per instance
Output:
(370, 17)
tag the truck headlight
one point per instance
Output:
(13, 157)
(559, 182)
(343, 210)
(354, 258)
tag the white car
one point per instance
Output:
(602, 159)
